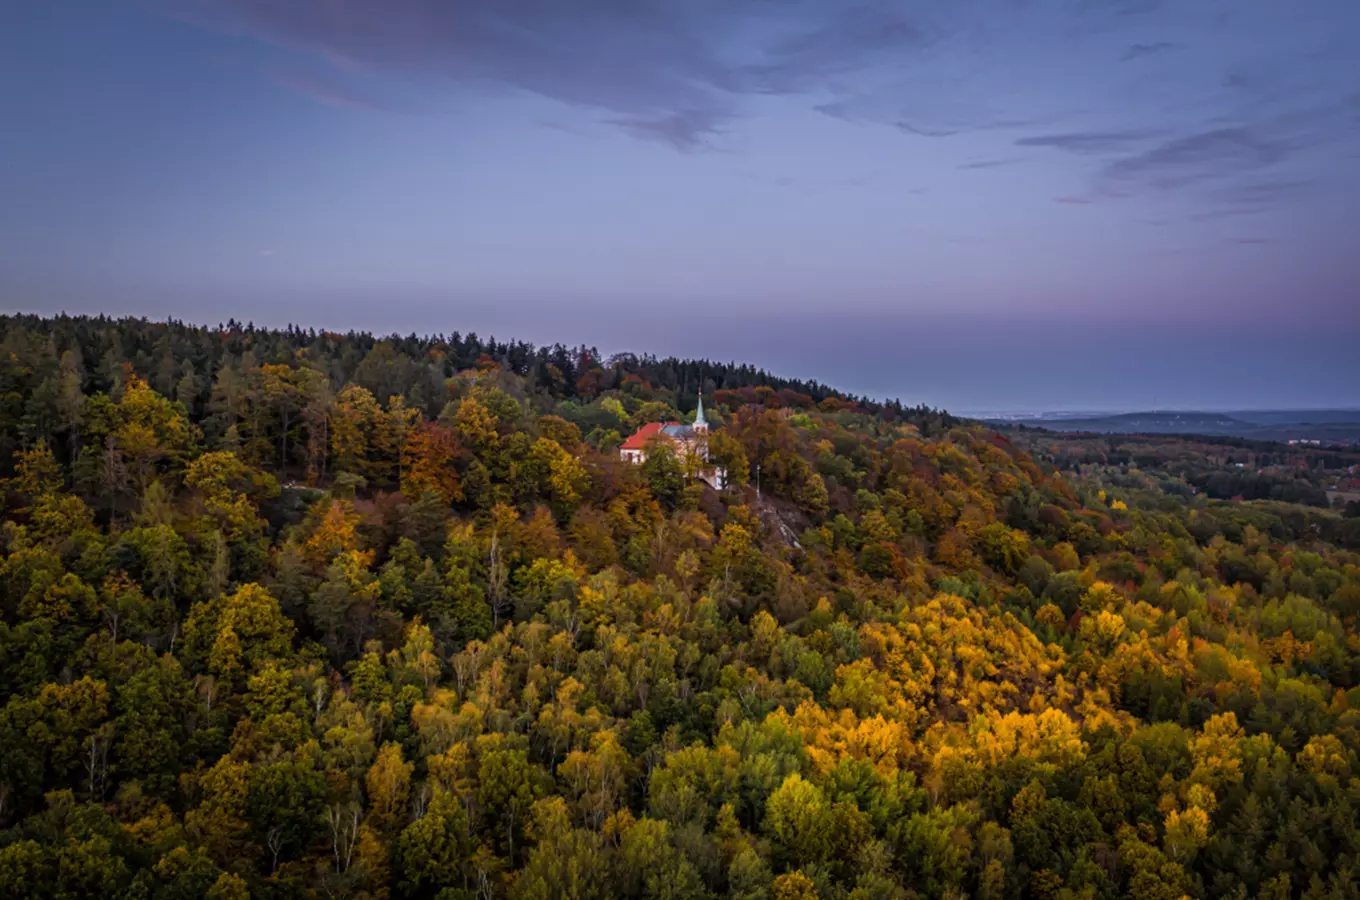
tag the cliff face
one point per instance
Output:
(781, 517)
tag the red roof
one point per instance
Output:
(639, 438)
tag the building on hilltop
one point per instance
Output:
(688, 442)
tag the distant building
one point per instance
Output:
(689, 442)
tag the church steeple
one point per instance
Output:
(700, 423)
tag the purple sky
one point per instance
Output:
(1010, 204)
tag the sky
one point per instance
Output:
(986, 205)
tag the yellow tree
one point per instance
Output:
(336, 533)
(389, 437)
(352, 422)
(389, 785)
(36, 471)
(566, 477)
(476, 426)
(150, 431)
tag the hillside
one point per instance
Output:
(290, 614)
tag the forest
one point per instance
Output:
(1225, 468)
(299, 614)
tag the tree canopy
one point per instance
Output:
(297, 614)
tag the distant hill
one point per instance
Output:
(1324, 425)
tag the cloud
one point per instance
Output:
(1250, 197)
(643, 62)
(818, 182)
(1250, 240)
(922, 131)
(992, 163)
(926, 115)
(683, 72)
(1074, 201)
(1262, 192)
(1268, 157)
(1126, 7)
(686, 131)
(669, 70)
(1138, 51)
(1213, 215)
(564, 127)
(326, 91)
(839, 45)
(658, 69)
(1207, 156)
(1087, 141)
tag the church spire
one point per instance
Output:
(700, 423)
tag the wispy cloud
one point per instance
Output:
(1138, 51)
(818, 182)
(1125, 7)
(924, 131)
(564, 127)
(686, 131)
(835, 45)
(659, 70)
(684, 72)
(1238, 169)
(1249, 198)
(327, 91)
(1228, 212)
(1262, 193)
(1088, 141)
(992, 163)
(1206, 156)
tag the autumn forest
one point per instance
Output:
(296, 614)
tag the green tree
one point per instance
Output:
(432, 851)
(663, 472)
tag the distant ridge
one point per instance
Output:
(1329, 426)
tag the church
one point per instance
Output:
(689, 442)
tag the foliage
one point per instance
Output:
(296, 614)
